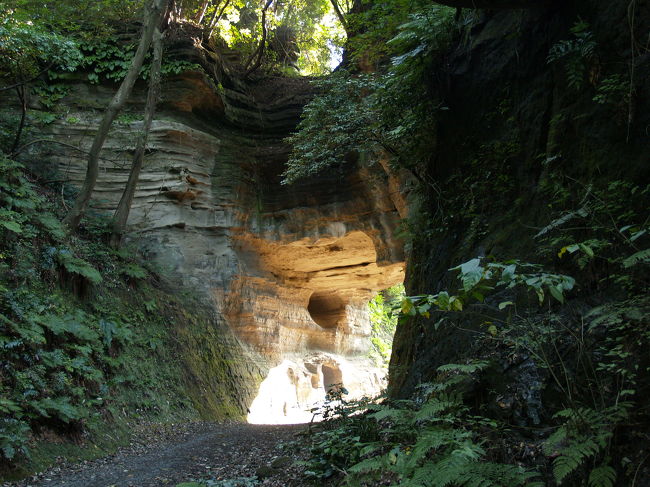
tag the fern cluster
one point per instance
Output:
(430, 441)
(581, 442)
(60, 360)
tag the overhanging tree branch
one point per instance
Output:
(216, 17)
(35, 77)
(339, 14)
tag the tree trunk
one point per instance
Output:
(339, 14)
(22, 96)
(216, 17)
(152, 15)
(259, 52)
(202, 11)
(124, 207)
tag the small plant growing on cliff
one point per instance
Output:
(384, 311)
(576, 53)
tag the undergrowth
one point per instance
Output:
(553, 388)
(433, 439)
(87, 335)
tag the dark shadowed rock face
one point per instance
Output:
(512, 115)
(289, 269)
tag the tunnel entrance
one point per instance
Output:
(303, 382)
(326, 308)
(306, 308)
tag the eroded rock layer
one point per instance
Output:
(289, 269)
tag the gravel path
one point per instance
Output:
(191, 452)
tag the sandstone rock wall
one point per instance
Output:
(288, 269)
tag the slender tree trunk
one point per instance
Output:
(216, 17)
(202, 11)
(22, 97)
(152, 16)
(124, 207)
(259, 52)
(339, 14)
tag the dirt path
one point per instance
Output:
(203, 451)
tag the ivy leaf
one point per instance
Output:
(407, 307)
(586, 249)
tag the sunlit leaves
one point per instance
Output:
(27, 48)
(384, 111)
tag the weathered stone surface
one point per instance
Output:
(502, 93)
(288, 269)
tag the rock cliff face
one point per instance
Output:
(288, 269)
(513, 135)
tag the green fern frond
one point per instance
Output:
(368, 465)
(397, 415)
(74, 265)
(469, 368)
(444, 473)
(488, 474)
(640, 257)
(440, 404)
(434, 439)
(573, 456)
(603, 476)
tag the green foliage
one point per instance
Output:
(68, 363)
(584, 435)
(78, 266)
(593, 355)
(27, 47)
(607, 236)
(613, 90)
(333, 124)
(50, 93)
(478, 278)
(371, 113)
(133, 271)
(107, 59)
(431, 441)
(78, 17)
(383, 310)
(576, 54)
(602, 476)
(52, 375)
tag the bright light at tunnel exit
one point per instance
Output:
(294, 391)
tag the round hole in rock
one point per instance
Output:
(326, 308)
